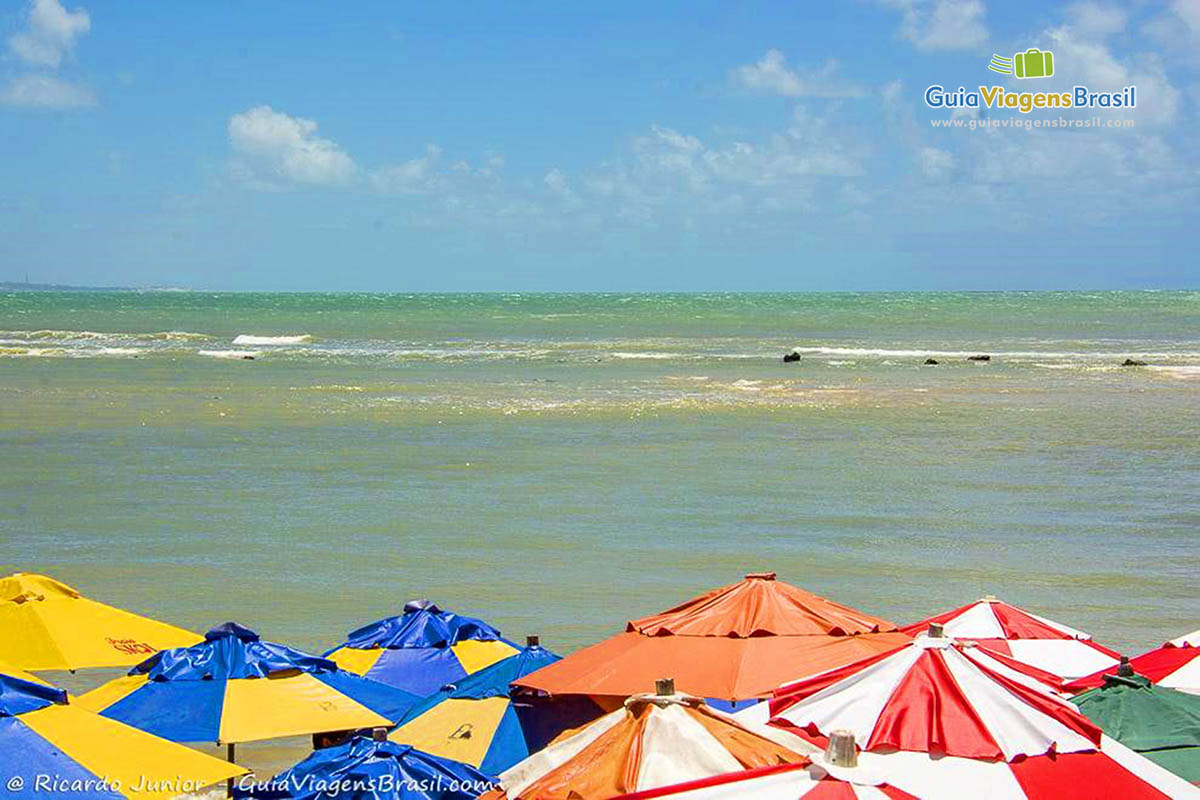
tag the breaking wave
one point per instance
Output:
(271, 341)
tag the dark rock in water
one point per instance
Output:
(247, 358)
(790, 357)
(931, 361)
(1132, 362)
(979, 358)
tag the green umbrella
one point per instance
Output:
(1162, 724)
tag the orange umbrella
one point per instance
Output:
(735, 643)
(655, 740)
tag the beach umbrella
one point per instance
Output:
(50, 746)
(45, 624)
(422, 649)
(731, 644)
(653, 740)
(940, 715)
(13, 672)
(1161, 724)
(365, 769)
(1175, 665)
(781, 782)
(477, 722)
(1034, 640)
(233, 687)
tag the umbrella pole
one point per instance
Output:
(229, 756)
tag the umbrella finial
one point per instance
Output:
(533, 641)
(936, 631)
(421, 605)
(664, 687)
(841, 751)
(230, 629)
(760, 576)
(1125, 670)
(989, 598)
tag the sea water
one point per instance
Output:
(558, 464)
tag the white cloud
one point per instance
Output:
(1086, 59)
(273, 147)
(942, 24)
(1096, 19)
(556, 181)
(1178, 27)
(415, 176)
(50, 34)
(672, 178)
(772, 75)
(936, 163)
(428, 175)
(45, 91)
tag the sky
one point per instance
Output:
(548, 146)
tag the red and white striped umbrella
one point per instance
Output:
(938, 695)
(1033, 640)
(1175, 665)
(940, 716)
(1187, 640)
(784, 782)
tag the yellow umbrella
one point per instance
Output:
(50, 746)
(45, 624)
(13, 672)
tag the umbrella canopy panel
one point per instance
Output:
(233, 687)
(653, 741)
(478, 723)
(759, 605)
(937, 696)
(1172, 666)
(45, 624)
(422, 649)
(1161, 724)
(1043, 643)
(362, 768)
(734, 643)
(783, 782)
(44, 738)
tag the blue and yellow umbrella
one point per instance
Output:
(423, 649)
(363, 769)
(50, 746)
(478, 722)
(233, 687)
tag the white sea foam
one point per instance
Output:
(93, 336)
(1187, 373)
(242, 354)
(34, 352)
(178, 336)
(55, 334)
(881, 352)
(271, 341)
(653, 356)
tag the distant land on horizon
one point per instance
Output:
(21, 286)
(26, 286)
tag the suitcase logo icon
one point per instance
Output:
(1033, 63)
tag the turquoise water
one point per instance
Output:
(560, 463)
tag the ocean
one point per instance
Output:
(560, 463)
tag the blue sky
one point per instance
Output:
(616, 146)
